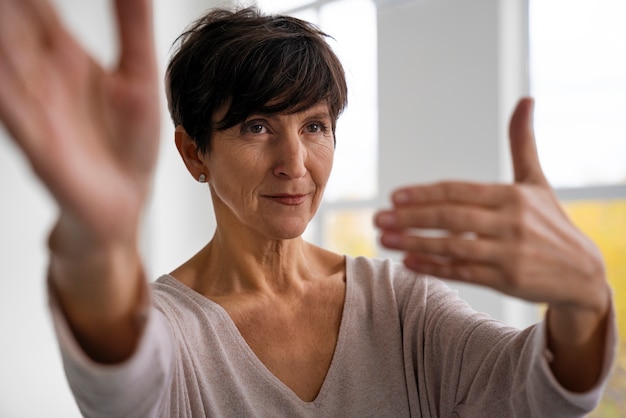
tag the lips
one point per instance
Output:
(288, 199)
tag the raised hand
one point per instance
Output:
(91, 135)
(516, 239)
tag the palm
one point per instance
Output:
(90, 135)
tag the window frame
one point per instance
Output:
(327, 207)
(600, 192)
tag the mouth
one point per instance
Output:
(288, 199)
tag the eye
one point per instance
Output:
(315, 127)
(254, 127)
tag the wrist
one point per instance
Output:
(94, 280)
(70, 240)
(576, 323)
(103, 294)
(576, 337)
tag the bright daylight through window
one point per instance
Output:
(352, 188)
(578, 76)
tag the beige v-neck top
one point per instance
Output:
(407, 346)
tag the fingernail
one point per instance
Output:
(401, 197)
(390, 240)
(386, 219)
(412, 263)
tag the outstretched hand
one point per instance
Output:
(90, 134)
(514, 238)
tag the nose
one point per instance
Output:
(290, 156)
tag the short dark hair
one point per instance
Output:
(245, 62)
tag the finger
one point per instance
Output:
(477, 273)
(135, 27)
(18, 38)
(37, 16)
(12, 94)
(46, 21)
(29, 32)
(448, 217)
(491, 195)
(16, 59)
(470, 272)
(456, 247)
(526, 166)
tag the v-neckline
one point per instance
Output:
(256, 362)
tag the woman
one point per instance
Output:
(260, 322)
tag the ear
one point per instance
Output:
(188, 150)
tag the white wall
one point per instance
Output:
(450, 72)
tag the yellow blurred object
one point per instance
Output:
(604, 221)
(350, 232)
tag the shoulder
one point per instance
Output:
(365, 268)
(379, 273)
(387, 282)
(167, 291)
(179, 303)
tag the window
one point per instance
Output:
(578, 76)
(344, 220)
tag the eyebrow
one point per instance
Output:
(318, 115)
(322, 114)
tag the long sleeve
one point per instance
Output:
(468, 364)
(138, 387)
(407, 346)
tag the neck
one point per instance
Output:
(231, 264)
(255, 263)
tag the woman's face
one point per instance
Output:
(268, 174)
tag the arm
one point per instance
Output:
(515, 239)
(91, 136)
(477, 366)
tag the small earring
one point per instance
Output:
(202, 178)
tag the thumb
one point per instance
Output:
(526, 165)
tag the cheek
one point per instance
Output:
(323, 163)
(235, 167)
(232, 181)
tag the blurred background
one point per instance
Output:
(432, 85)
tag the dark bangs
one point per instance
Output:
(284, 74)
(239, 63)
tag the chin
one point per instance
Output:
(287, 230)
(290, 234)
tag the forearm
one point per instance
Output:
(135, 388)
(576, 337)
(101, 290)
